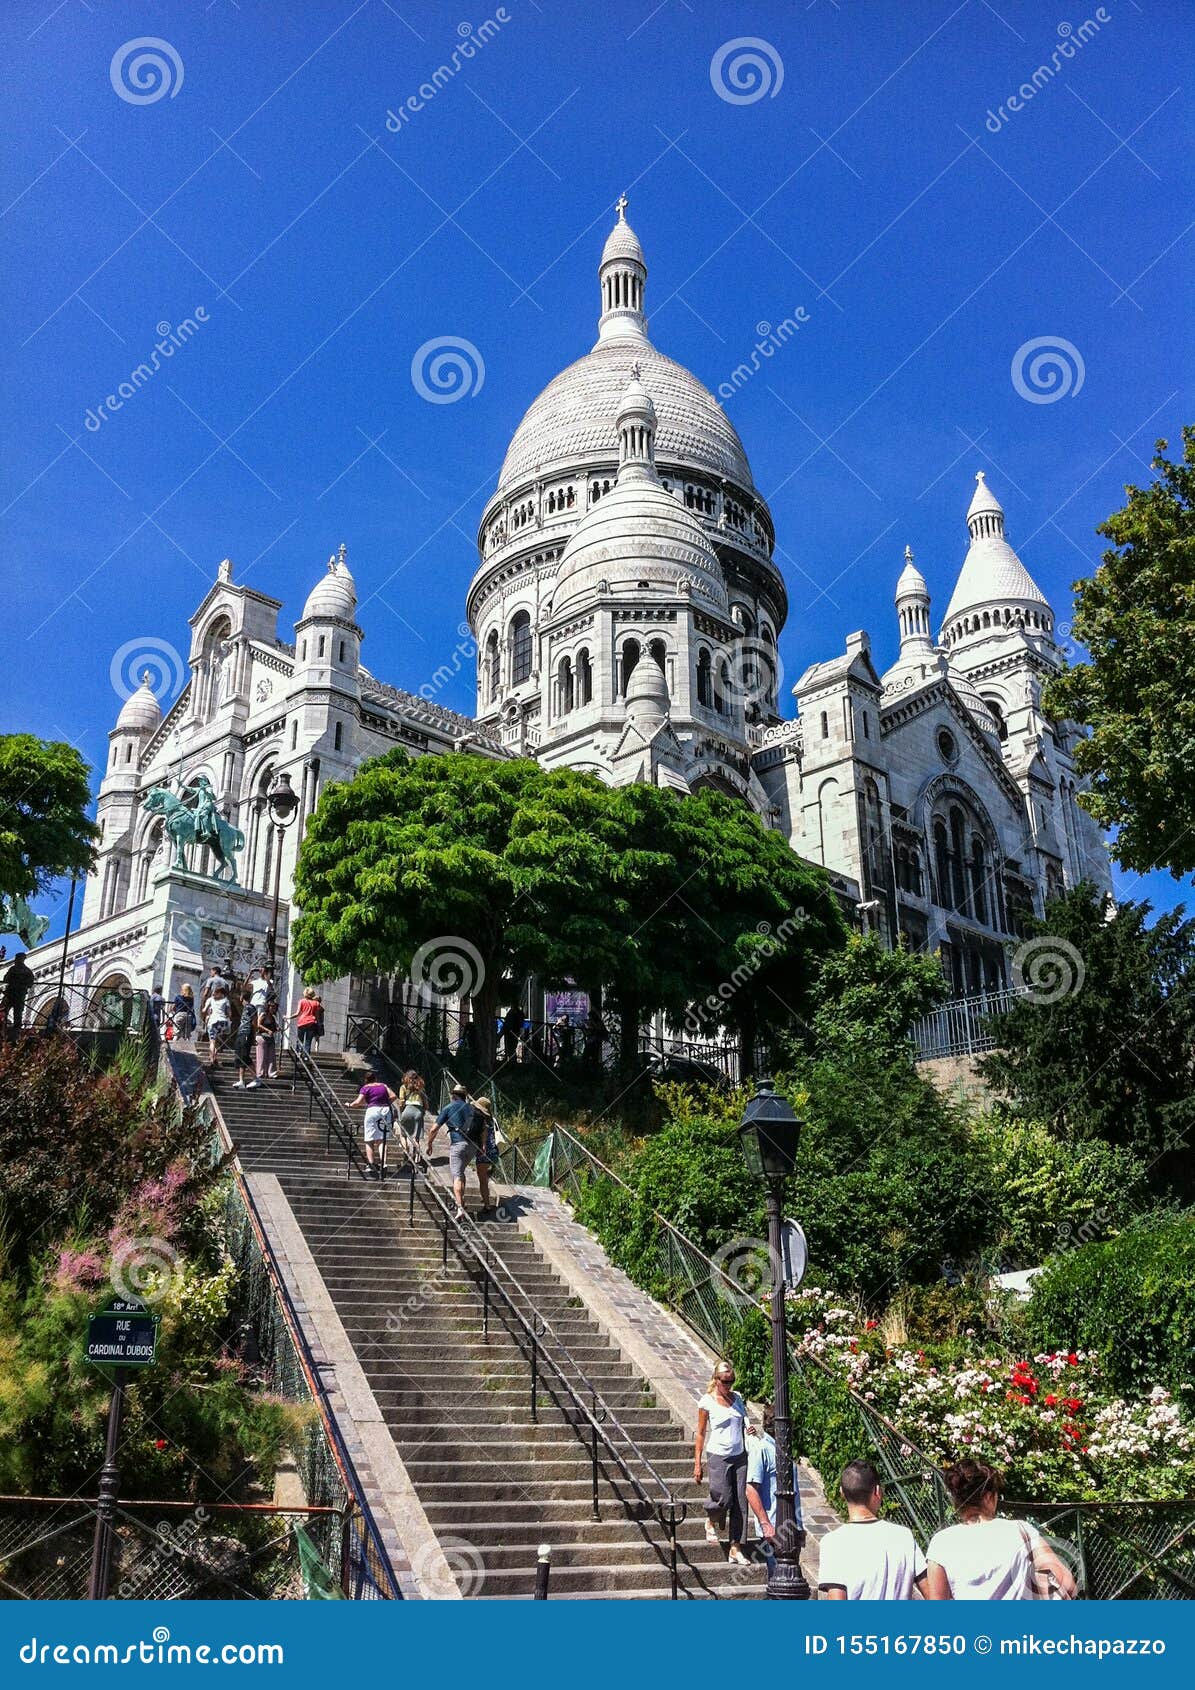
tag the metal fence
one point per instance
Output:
(962, 1027)
(1140, 1549)
(166, 1551)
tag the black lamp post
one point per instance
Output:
(282, 801)
(769, 1135)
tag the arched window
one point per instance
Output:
(721, 687)
(979, 874)
(565, 691)
(520, 648)
(997, 710)
(337, 736)
(705, 685)
(659, 651)
(493, 667)
(584, 677)
(630, 656)
(960, 900)
(942, 865)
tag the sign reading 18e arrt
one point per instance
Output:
(125, 1334)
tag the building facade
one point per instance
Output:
(625, 612)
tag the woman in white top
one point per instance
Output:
(722, 1428)
(985, 1557)
(219, 1023)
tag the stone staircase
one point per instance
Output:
(494, 1481)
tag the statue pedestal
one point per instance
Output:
(197, 922)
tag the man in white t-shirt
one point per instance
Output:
(868, 1559)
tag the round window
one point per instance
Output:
(947, 745)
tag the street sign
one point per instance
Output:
(794, 1253)
(125, 1334)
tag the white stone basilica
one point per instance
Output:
(626, 612)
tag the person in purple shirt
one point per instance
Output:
(378, 1101)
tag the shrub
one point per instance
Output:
(1131, 1299)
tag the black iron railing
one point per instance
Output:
(366, 1571)
(551, 1368)
(1116, 1549)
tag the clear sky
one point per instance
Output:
(867, 168)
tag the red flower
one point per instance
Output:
(159, 1443)
(870, 1326)
(1072, 1405)
(1019, 1396)
(1072, 1359)
(1051, 1401)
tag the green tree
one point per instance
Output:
(1136, 616)
(477, 873)
(1112, 1056)
(870, 997)
(44, 827)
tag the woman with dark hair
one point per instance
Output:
(986, 1557)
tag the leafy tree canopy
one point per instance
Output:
(44, 827)
(869, 997)
(477, 873)
(1111, 1055)
(1136, 616)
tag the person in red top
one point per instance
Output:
(306, 1019)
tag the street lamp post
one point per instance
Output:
(283, 804)
(769, 1136)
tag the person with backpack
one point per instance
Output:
(466, 1143)
(245, 1047)
(378, 1101)
(985, 1556)
(267, 1041)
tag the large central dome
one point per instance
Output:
(569, 424)
(570, 421)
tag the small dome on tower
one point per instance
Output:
(140, 712)
(334, 596)
(983, 499)
(647, 698)
(912, 581)
(622, 242)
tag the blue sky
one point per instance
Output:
(874, 182)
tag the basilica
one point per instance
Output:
(625, 615)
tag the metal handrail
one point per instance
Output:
(315, 1384)
(470, 1243)
(335, 1116)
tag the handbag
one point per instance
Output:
(1046, 1587)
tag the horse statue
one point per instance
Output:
(17, 917)
(201, 825)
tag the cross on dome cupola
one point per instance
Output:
(985, 514)
(622, 276)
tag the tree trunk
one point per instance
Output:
(628, 1037)
(486, 1003)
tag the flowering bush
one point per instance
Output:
(1049, 1420)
